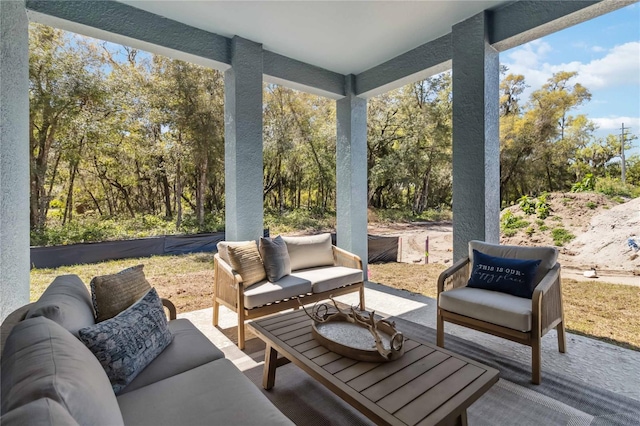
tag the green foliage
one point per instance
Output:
(92, 229)
(530, 231)
(538, 206)
(561, 236)
(510, 223)
(527, 204)
(544, 228)
(614, 187)
(591, 205)
(298, 220)
(540, 222)
(399, 215)
(588, 183)
(509, 232)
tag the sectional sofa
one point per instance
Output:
(48, 376)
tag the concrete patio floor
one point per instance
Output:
(601, 364)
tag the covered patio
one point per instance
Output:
(347, 51)
(563, 397)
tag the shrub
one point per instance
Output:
(544, 228)
(561, 236)
(510, 223)
(527, 204)
(529, 231)
(538, 206)
(591, 205)
(588, 183)
(614, 187)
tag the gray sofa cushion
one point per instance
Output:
(128, 342)
(310, 251)
(267, 292)
(41, 412)
(43, 360)
(490, 306)
(547, 255)
(217, 391)
(66, 301)
(329, 277)
(189, 349)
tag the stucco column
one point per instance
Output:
(351, 172)
(476, 143)
(14, 156)
(243, 141)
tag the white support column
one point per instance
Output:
(476, 142)
(351, 172)
(243, 142)
(14, 157)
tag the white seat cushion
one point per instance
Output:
(329, 278)
(267, 292)
(490, 306)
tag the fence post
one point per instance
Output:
(426, 251)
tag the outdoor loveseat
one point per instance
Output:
(257, 279)
(49, 376)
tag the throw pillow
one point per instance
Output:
(512, 276)
(112, 294)
(275, 258)
(245, 260)
(223, 248)
(310, 251)
(128, 342)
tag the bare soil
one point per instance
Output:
(601, 226)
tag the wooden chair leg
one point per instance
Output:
(362, 298)
(440, 330)
(536, 375)
(216, 312)
(241, 329)
(562, 339)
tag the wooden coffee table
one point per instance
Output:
(428, 385)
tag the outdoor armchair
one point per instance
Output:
(518, 319)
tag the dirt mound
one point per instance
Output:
(592, 229)
(605, 244)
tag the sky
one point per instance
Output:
(605, 52)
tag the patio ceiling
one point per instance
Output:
(344, 37)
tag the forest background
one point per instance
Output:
(126, 144)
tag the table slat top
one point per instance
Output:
(426, 385)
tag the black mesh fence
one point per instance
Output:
(381, 249)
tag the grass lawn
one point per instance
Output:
(604, 311)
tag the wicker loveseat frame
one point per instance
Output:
(228, 290)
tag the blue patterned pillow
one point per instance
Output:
(512, 276)
(128, 342)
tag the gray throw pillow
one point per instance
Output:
(112, 294)
(128, 342)
(275, 258)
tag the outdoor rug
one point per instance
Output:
(514, 400)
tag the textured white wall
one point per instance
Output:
(14, 157)
(243, 142)
(476, 143)
(351, 172)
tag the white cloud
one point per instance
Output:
(620, 66)
(615, 123)
(598, 49)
